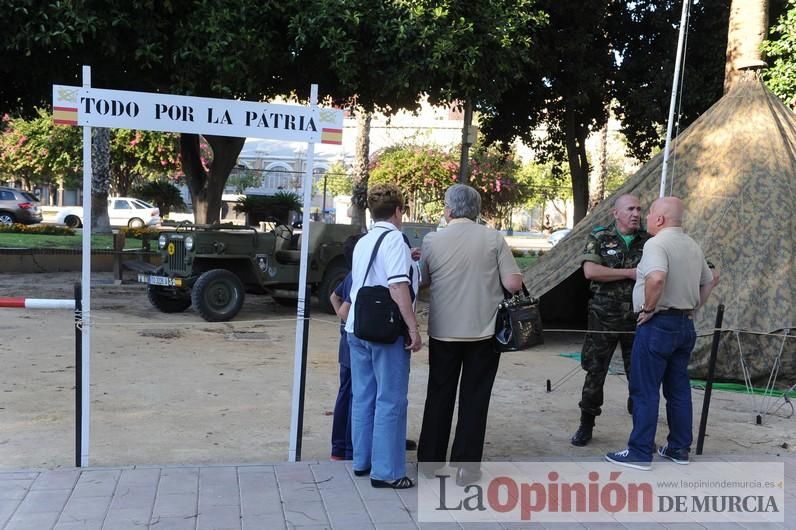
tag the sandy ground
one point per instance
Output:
(173, 389)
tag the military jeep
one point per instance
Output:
(212, 267)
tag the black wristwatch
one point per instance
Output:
(645, 310)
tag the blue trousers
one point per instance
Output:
(661, 352)
(342, 445)
(380, 383)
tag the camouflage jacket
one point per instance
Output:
(605, 246)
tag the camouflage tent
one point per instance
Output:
(735, 168)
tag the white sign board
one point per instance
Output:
(94, 107)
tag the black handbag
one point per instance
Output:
(376, 315)
(519, 322)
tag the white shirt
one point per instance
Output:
(392, 263)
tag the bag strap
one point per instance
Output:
(373, 254)
(507, 295)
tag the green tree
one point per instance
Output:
(38, 153)
(422, 172)
(780, 51)
(337, 181)
(240, 53)
(162, 193)
(139, 156)
(494, 173)
(645, 35)
(562, 98)
(382, 55)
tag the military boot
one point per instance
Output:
(583, 434)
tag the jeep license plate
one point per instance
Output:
(165, 281)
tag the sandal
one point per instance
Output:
(400, 484)
(361, 472)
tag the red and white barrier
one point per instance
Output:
(37, 303)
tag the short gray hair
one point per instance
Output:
(463, 201)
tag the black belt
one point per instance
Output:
(676, 312)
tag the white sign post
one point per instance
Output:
(85, 293)
(92, 107)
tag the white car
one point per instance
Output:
(122, 211)
(558, 235)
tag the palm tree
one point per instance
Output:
(748, 28)
(361, 171)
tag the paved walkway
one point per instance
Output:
(307, 495)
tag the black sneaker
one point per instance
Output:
(678, 456)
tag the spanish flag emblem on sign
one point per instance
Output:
(65, 115)
(65, 105)
(332, 136)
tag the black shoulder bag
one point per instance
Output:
(376, 315)
(519, 323)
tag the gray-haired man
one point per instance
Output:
(465, 265)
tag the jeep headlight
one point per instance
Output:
(162, 242)
(189, 243)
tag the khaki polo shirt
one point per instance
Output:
(675, 253)
(464, 263)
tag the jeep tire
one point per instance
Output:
(166, 301)
(217, 295)
(335, 273)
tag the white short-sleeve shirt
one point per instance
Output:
(392, 263)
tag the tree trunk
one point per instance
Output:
(599, 174)
(748, 28)
(361, 171)
(100, 179)
(207, 186)
(578, 164)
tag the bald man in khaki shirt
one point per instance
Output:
(672, 281)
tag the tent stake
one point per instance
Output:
(714, 349)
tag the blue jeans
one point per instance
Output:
(380, 383)
(661, 351)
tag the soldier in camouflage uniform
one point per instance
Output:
(609, 261)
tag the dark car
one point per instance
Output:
(17, 206)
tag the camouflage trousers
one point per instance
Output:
(598, 348)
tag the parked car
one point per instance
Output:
(122, 211)
(558, 235)
(17, 206)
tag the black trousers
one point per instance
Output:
(477, 363)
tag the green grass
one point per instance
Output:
(99, 242)
(523, 262)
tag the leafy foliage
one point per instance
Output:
(43, 154)
(780, 51)
(38, 152)
(275, 207)
(162, 193)
(646, 37)
(138, 156)
(494, 174)
(140, 232)
(52, 230)
(556, 104)
(424, 173)
(337, 180)
(242, 178)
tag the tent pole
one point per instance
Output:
(714, 350)
(675, 84)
